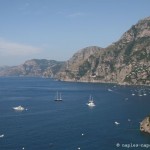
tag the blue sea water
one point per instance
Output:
(71, 124)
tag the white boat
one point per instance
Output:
(144, 93)
(133, 94)
(2, 135)
(19, 108)
(110, 90)
(117, 123)
(91, 102)
(58, 97)
(129, 120)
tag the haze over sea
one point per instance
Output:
(70, 124)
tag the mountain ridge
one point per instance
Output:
(34, 68)
(126, 61)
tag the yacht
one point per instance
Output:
(58, 97)
(91, 102)
(19, 108)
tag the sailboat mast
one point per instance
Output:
(57, 96)
(60, 96)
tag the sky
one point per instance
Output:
(56, 29)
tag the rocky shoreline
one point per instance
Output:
(145, 125)
(103, 82)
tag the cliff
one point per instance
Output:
(34, 67)
(80, 64)
(126, 61)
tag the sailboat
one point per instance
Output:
(144, 93)
(58, 97)
(140, 93)
(91, 102)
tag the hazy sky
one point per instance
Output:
(56, 29)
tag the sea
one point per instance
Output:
(70, 124)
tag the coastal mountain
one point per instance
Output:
(77, 68)
(34, 67)
(126, 61)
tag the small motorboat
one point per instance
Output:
(2, 135)
(110, 90)
(19, 108)
(117, 123)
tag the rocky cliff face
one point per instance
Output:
(34, 67)
(126, 61)
(80, 64)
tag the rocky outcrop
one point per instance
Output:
(126, 61)
(34, 67)
(145, 125)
